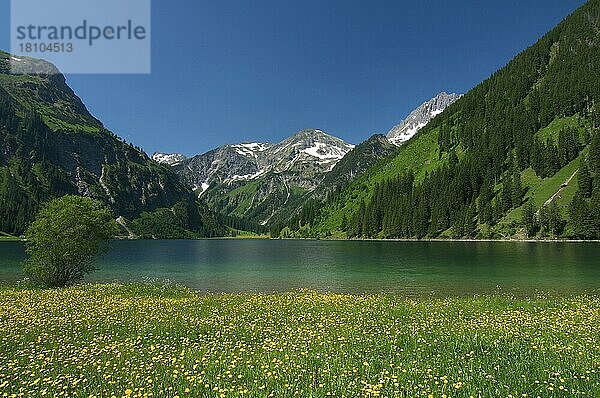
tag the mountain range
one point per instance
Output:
(259, 180)
(70, 152)
(262, 181)
(516, 156)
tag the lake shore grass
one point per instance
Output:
(160, 341)
(4, 237)
(7, 238)
(507, 240)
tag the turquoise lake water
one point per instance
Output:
(404, 268)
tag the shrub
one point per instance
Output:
(64, 237)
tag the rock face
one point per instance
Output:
(419, 118)
(259, 180)
(171, 159)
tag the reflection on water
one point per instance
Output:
(406, 268)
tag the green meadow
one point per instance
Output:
(159, 341)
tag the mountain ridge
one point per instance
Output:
(258, 180)
(51, 145)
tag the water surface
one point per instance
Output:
(405, 268)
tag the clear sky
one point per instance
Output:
(228, 71)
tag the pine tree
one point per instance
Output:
(344, 225)
(594, 156)
(537, 157)
(551, 220)
(584, 180)
(507, 193)
(485, 202)
(458, 229)
(421, 218)
(497, 211)
(518, 191)
(594, 214)
(356, 227)
(563, 147)
(471, 222)
(529, 219)
(370, 227)
(579, 214)
(552, 159)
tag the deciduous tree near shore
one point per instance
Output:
(63, 239)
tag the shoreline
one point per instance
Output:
(471, 240)
(2, 239)
(503, 293)
(406, 240)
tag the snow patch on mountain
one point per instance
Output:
(171, 159)
(245, 177)
(200, 189)
(321, 150)
(420, 117)
(252, 149)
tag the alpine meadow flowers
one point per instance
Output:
(152, 341)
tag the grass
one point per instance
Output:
(4, 237)
(246, 235)
(554, 128)
(142, 341)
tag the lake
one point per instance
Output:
(403, 268)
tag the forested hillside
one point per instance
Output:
(516, 156)
(50, 146)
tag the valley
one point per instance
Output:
(489, 164)
(314, 232)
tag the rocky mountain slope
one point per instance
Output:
(356, 162)
(258, 180)
(50, 145)
(419, 118)
(303, 158)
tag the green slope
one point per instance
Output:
(50, 146)
(420, 154)
(534, 119)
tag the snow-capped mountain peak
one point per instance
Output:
(420, 117)
(304, 157)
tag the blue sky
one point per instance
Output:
(229, 71)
